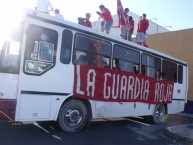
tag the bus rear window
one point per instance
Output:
(169, 70)
(180, 74)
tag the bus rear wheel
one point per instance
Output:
(159, 114)
(72, 116)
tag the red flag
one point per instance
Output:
(120, 9)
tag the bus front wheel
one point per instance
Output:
(72, 116)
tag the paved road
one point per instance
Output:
(132, 131)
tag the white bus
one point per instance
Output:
(55, 70)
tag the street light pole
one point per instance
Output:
(155, 23)
(153, 19)
(168, 27)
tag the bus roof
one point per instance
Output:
(65, 23)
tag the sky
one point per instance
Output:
(174, 13)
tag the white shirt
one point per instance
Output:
(43, 5)
(59, 16)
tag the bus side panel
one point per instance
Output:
(98, 108)
(8, 93)
(118, 109)
(8, 85)
(176, 106)
(7, 109)
(34, 107)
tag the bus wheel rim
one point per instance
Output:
(73, 117)
(159, 114)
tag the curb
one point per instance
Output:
(172, 134)
(185, 115)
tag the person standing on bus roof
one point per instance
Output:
(85, 21)
(122, 24)
(44, 6)
(143, 25)
(79, 20)
(106, 15)
(125, 14)
(130, 28)
(126, 17)
(57, 14)
(122, 27)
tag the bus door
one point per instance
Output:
(38, 84)
(177, 73)
(180, 88)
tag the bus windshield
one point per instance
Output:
(9, 55)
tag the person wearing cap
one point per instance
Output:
(106, 15)
(143, 25)
(85, 21)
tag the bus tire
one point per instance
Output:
(159, 115)
(72, 116)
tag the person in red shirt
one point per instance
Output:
(143, 25)
(85, 21)
(125, 13)
(130, 28)
(106, 15)
(122, 24)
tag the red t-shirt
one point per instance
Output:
(122, 19)
(107, 15)
(130, 26)
(143, 25)
(121, 22)
(86, 23)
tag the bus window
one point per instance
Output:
(66, 46)
(91, 53)
(9, 57)
(150, 65)
(128, 59)
(143, 71)
(95, 52)
(80, 57)
(116, 64)
(82, 60)
(169, 70)
(46, 51)
(180, 74)
(41, 44)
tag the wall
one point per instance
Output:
(178, 44)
